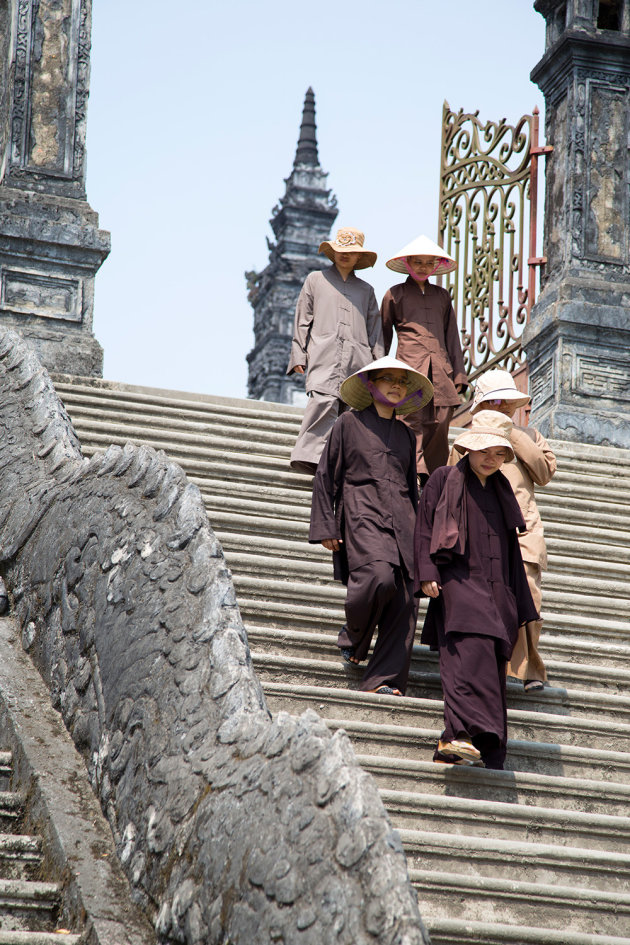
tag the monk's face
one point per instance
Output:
(486, 462)
(507, 407)
(422, 265)
(392, 383)
(346, 262)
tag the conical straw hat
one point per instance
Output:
(422, 246)
(354, 392)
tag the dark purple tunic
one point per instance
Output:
(365, 491)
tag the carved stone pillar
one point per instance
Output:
(578, 339)
(50, 243)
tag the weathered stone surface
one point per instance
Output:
(230, 825)
(578, 337)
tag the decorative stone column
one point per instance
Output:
(578, 339)
(300, 223)
(50, 243)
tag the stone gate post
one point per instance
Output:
(578, 339)
(50, 243)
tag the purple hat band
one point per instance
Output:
(376, 394)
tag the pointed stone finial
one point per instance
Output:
(307, 144)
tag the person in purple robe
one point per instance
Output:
(468, 563)
(365, 497)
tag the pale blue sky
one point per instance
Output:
(193, 120)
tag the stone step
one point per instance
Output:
(470, 817)
(472, 856)
(507, 787)
(61, 937)
(29, 906)
(469, 909)
(408, 716)
(20, 856)
(292, 643)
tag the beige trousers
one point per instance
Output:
(526, 662)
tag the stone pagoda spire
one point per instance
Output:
(578, 338)
(300, 222)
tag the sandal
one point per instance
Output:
(533, 685)
(385, 691)
(348, 654)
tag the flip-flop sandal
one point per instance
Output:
(533, 685)
(387, 691)
(347, 652)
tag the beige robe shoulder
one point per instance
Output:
(337, 329)
(534, 465)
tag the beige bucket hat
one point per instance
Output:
(422, 246)
(348, 240)
(355, 392)
(497, 385)
(489, 428)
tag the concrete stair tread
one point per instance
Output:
(466, 932)
(11, 937)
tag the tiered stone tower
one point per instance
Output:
(50, 243)
(578, 339)
(300, 222)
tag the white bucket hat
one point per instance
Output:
(355, 393)
(497, 385)
(489, 428)
(348, 240)
(422, 246)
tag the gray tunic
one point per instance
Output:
(337, 329)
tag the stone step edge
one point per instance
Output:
(460, 884)
(593, 698)
(465, 932)
(546, 855)
(11, 937)
(473, 807)
(512, 780)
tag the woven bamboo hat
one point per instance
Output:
(348, 240)
(422, 246)
(497, 385)
(355, 393)
(489, 428)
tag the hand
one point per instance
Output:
(460, 388)
(299, 369)
(332, 544)
(430, 588)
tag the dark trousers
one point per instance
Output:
(430, 424)
(472, 669)
(381, 594)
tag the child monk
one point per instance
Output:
(428, 338)
(534, 465)
(337, 329)
(365, 497)
(469, 565)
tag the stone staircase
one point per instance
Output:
(537, 853)
(29, 907)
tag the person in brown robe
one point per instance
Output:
(428, 338)
(534, 464)
(337, 329)
(364, 503)
(468, 562)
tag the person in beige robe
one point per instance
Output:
(534, 464)
(337, 330)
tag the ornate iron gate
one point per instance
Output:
(488, 207)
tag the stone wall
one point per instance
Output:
(231, 826)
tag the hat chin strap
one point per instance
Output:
(414, 275)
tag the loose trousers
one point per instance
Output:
(320, 414)
(381, 594)
(430, 424)
(526, 662)
(472, 671)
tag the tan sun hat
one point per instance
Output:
(497, 385)
(489, 428)
(348, 240)
(422, 246)
(355, 393)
